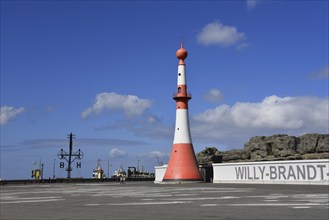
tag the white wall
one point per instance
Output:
(160, 172)
(274, 172)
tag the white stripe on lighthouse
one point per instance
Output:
(182, 129)
(181, 80)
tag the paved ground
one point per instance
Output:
(145, 200)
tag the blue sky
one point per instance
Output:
(106, 71)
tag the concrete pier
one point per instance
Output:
(146, 200)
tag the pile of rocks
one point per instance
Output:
(270, 148)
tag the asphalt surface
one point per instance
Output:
(146, 200)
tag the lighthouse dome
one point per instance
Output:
(181, 53)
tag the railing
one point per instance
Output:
(180, 95)
(73, 180)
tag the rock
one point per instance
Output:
(323, 144)
(234, 155)
(315, 156)
(209, 155)
(294, 157)
(272, 148)
(281, 145)
(307, 143)
(256, 148)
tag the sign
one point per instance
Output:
(281, 172)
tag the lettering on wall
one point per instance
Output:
(297, 172)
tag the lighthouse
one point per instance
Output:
(182, 166)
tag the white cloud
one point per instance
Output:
(7, 113)
(321, 74)
(213, 95)
(216, 33)
(157, 154)
(242, 45)
(155, 157)
(239, 122)
(147, 125)
(115, 153)
(130, 105)
(160, 157)
(251, 4)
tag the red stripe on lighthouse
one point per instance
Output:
(182, 164)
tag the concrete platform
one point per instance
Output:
(146, 200)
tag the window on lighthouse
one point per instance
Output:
(179, 90)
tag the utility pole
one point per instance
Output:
(62, 155)
(42, 171)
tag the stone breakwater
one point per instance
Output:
(272, 148)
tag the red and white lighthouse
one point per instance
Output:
(182, 164)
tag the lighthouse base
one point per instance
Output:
(181, 182)
(182, 166)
